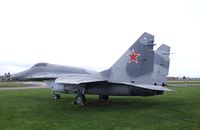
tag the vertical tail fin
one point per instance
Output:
(161, 64)
(137, 61)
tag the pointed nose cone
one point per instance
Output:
(19, 76)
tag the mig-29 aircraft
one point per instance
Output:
(134, 74)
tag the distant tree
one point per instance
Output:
(184, 77)
(8, 74)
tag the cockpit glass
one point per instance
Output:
(39, 65)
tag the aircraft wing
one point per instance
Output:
(77, 79)
(85, 78)
(147, 86)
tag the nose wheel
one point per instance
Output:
(55, 95)
(80, 99)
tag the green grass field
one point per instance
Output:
(35, 110)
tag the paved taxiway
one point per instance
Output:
(30, 85)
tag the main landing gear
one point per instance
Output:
(80, 100)
(103, 98)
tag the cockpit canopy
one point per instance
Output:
(40, 65)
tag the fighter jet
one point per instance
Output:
(133, 74)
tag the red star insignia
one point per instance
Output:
(133, 56)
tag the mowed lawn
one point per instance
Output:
(35, 110)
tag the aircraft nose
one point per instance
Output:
(18, 76)
(15, 77)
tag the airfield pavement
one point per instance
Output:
(184, 85)
(28, 85)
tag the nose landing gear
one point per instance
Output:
(55, 95)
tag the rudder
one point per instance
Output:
(161, 64)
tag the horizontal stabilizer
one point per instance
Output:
(77, 79)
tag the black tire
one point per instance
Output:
(56, 96)
(80, 99)
(103, 98)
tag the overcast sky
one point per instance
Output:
(94, 34)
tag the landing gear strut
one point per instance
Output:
(103, 98)
(80, 99)
(55, 95)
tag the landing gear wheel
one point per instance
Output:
(55, 96)
(103, 98)
(80, 99)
